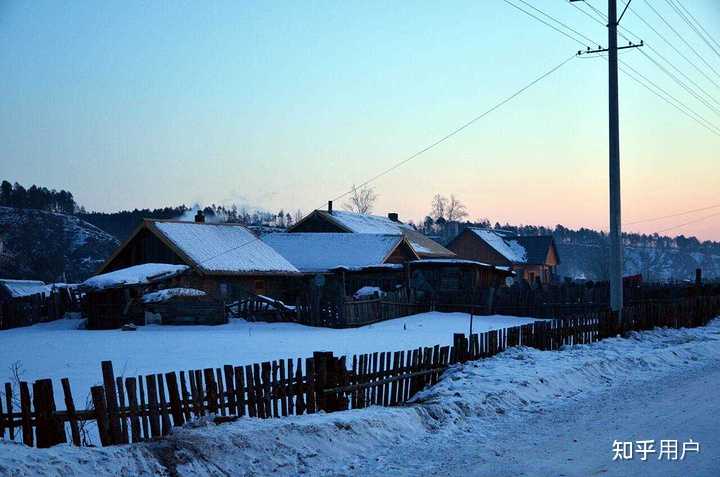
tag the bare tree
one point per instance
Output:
(361, 200)
(438, 206)
(298, 216)
(455, 209)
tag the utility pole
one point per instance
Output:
(616, 258)
(616, 246)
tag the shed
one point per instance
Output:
(114, 298)
(453, 281)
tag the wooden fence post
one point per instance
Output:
(111, 401)
(321, 379)
(101, 416)
(71, 413)
(25, 410)
(49, 428)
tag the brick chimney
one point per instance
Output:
(394, 216)
(330, 207)
(200, 217)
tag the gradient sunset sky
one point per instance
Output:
(287, 104)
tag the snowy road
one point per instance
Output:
(576, 439)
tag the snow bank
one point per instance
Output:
(167, 293)
(135, 275)
(476, 394)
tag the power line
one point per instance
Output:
(680, 53)
(653, 49)
(692, 27)
(459, 129)
(682, 107)
(702, 58)
(678, 214)
(428, 147)
(683, 85)
(699, 24)
(558, 21)
(701, 219)
(546, 23)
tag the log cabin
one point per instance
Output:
(533, 258)
(225, 260)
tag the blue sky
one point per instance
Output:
(286, 104)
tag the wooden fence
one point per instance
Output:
(38, 308)
(135, 409)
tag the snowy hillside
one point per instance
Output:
(588, 260)
(36, 244)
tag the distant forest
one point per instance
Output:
(583, 252)
(34, 197)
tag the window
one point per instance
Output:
(223, 289)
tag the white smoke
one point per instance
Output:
(189, 216)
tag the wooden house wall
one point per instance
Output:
(471, 247)
(145, 247)
(316, 223)
(401, 254)
(386, 280)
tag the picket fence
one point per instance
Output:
(143, 408)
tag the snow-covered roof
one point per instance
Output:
(368, 224)
(223, 248)
(452, 261)
(21, 288)
(167, 293)
(509, 248)
(316, 252)
(135, 275)
(377, 224)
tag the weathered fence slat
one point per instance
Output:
(49, 428)
(111, 401)
(101, 415)
(131, 387)
(220, 392)
(71, 413)
(152, 395)
(240, 390)
(121, 410)
(25, 411)
(230, 388)
(291, 387)
(163, 406)
(186, 398)
(144, 415)
(175, 402)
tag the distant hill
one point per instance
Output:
(583, 252)
(50, 246)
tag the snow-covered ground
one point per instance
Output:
(523, 412)
(58, 349)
